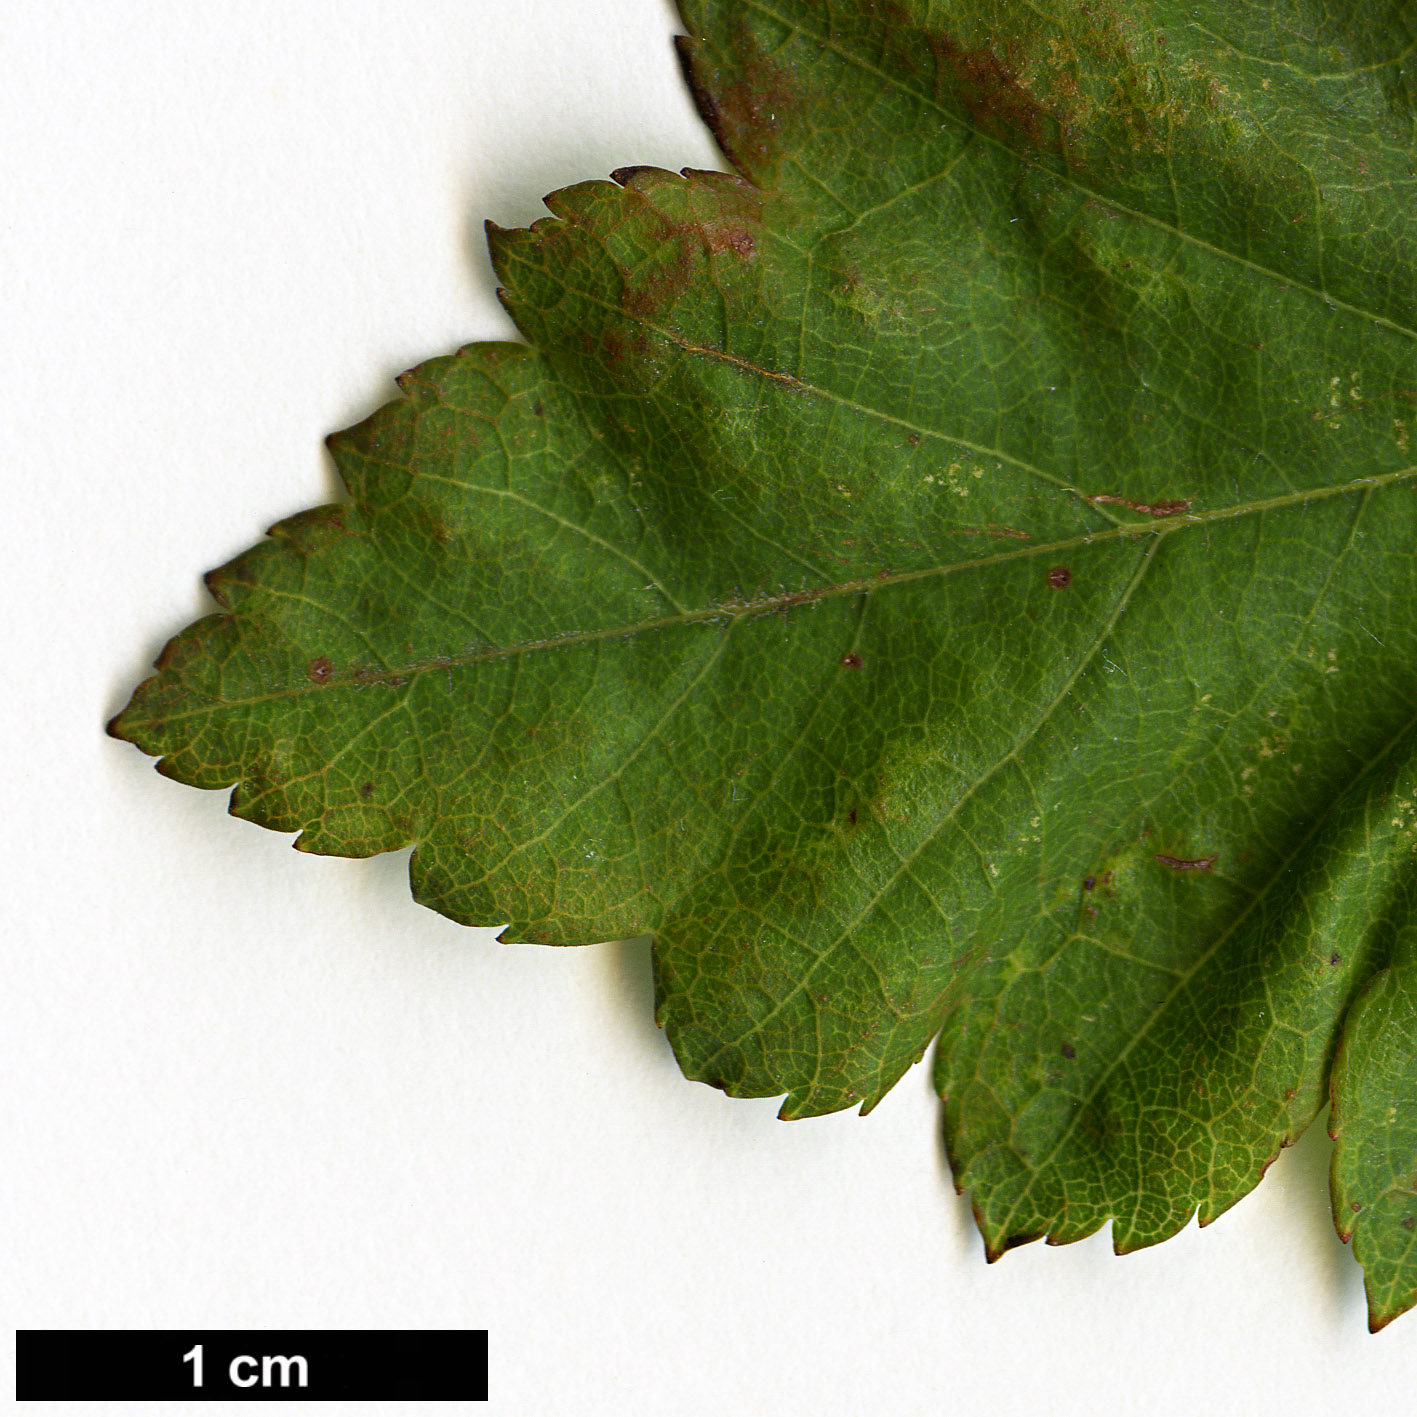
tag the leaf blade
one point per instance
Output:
(956, 581)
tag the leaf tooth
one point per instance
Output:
(627, 175)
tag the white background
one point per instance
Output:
(249, 1088)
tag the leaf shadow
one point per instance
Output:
(1302, 1172)
(628, 971)
(969, 1242)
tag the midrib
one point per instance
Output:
(788, 600)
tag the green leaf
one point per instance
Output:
(1375, 1127)
(951, 578)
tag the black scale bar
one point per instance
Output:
(251, 1365)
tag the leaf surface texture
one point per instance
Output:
(949, 578)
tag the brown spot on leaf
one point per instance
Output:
(366, 791)
(746, 102)
(1069, 1052)
(851, 816)
(1089, 883)
(1060, 577)
(1147, 509)
(1335, 959)
(320, 670)
(989, 90)
(1029, 85)
(1410, 1223)
(658, 286)
(737, 239)
(851, 660)
(1184, 863)
(681, 242)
